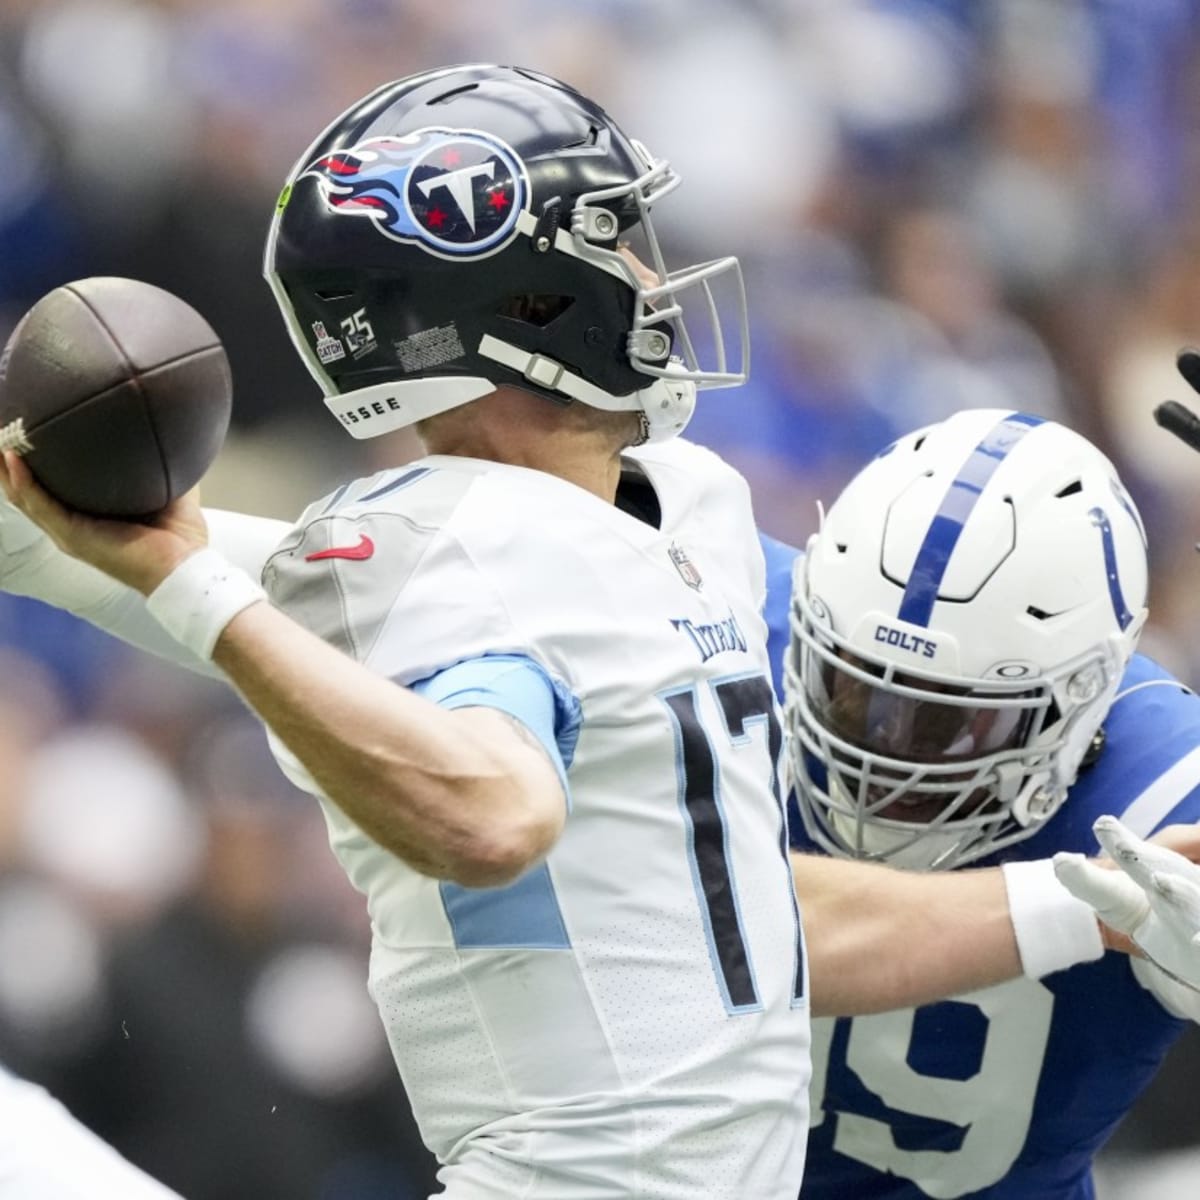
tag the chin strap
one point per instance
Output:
(553, 376)
(666, 405)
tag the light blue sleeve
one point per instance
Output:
(517, 685)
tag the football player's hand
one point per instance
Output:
(1149, 894)
(139, 555)
(1177, 418)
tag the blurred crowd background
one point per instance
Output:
(938, 204)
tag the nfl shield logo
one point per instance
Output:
(328, 349)
(685, 567)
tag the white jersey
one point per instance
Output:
(629, 1018)
(46, 1154)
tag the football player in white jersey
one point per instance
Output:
(527, 675)
(46, 1154)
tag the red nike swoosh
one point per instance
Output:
(364, 549)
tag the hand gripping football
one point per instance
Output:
(116, 393)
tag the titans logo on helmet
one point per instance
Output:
(455, 192)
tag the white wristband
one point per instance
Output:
(199, 598)
(1054, 930)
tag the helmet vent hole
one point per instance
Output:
(1039, 614)
(589, 139)
(458, 91)
(1072, 488)
(919, 443)
(537, 310)
(841, 547)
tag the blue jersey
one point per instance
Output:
(1009, 1092)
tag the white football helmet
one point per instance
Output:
(960, 624)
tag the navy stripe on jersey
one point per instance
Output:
(334, 499)
(396, 484)
(1115, 594)
(933, 557)
(709, 853)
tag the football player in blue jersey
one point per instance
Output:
(962, 688)
(31, 564)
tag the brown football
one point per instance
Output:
(116, 393)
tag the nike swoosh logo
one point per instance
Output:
(363, 550)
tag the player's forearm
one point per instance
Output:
(43, 572)
(457, 795)
(460, 796)
(31, 565)
(880, 939)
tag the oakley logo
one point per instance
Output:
(363, 550)
(905, 641)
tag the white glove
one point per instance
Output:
(1153, 898)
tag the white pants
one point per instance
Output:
(45, 1154)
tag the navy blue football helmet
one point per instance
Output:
(480, 226)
